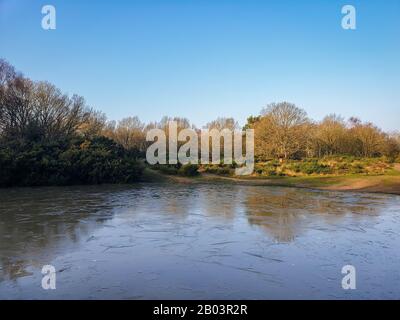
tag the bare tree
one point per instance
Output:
(129, 132)
(369, 139)
(281, 131)
(330, 136)
(39, 111)
(16, 108)
(223, 123)
(7, 72)
(94, 125)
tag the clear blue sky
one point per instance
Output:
(202, 59)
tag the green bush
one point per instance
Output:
(357, 168)
(79, 161)
(168, 169)
(267, 169)
(312, 166)
(219, 170)
(271, 172)
(224, 171)
(189, 170)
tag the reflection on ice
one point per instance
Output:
(197, 241)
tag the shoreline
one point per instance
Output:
(386, 184)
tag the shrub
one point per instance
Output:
(79, 161)
(168, 169)
(312, 167)
(224, 171)
(189, 170)
(357, 168)
(219, 170)
(270, 172)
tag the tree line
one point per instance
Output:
(284, 131)
(48, 137)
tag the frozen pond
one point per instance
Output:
(159, 241)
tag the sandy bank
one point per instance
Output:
(357, 183)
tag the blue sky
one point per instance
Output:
(208, 58)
